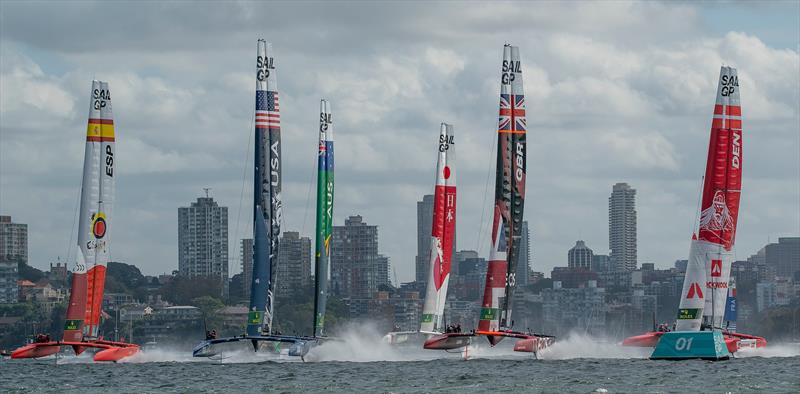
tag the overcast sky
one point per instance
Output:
(616, 92)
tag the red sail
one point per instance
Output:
(723, 178)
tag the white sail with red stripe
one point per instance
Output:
(442, 233)
(705, 287)
(94, 224)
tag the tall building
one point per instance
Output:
(357, 269)
(203, 240)
(424, 226)
(246, 257)
(13, 241)
(783, 257)
(601, 263)
(293, 273)
(524, 263)
(13, 251)
(580, 256)
(424, 229)
(622, 227)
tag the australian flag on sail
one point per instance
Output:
(512, 113)
(267, 110)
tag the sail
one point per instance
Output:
(442, 233)
(97, 199)
(266, 193)
(324, 215)
(711, 257)
(509, 197)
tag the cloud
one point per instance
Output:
(611, 97)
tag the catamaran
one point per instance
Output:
(267, 207)
(81, 329)
(495, 319)
(324, 220)
(699, 331)
(441, 250)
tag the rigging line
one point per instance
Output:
(696, 223)
(308, 196)
(485, 192)
(244, 181)
(75, 216)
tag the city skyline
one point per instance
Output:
(608, 107)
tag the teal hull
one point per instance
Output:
(686, 345)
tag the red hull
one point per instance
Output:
(649, 339)
(109, 350)
(36, 350)
(448, 341)
(533, 344)
(733, 340)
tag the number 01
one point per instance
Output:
(683, 344)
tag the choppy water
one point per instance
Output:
(578, 364)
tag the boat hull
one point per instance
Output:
(36, 350)
(687, 345)
(649, 339)
(533, 344)
(299, 345)
(448, 341)
(733, 340)
(107, 350)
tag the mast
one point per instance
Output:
(711, 253)
(509, 198)
(442, 233)
(266, 193)
(324, 216)
(97, 198)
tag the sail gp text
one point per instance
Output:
(100, 98)
(509, 69)
(729, 84)
(264, 64)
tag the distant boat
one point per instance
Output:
(706, 283)
(495, 319)
(94, 240)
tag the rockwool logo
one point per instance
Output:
(694, 290)
(716, 268)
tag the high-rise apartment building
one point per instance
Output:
(783, 257)
(293, 273)
(246, 257)
(13, 251)
(580, 256)
(357, 269)
(622, 227)
(13, 241)
(424, 226)
(203, 240)
(524, 263)
(422, 262)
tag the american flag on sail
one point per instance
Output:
(267, 110)
(512, 114)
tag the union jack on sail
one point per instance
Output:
(512, 113)
(267, 110)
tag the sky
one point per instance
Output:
(615, 92)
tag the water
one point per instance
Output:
(575, 364)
